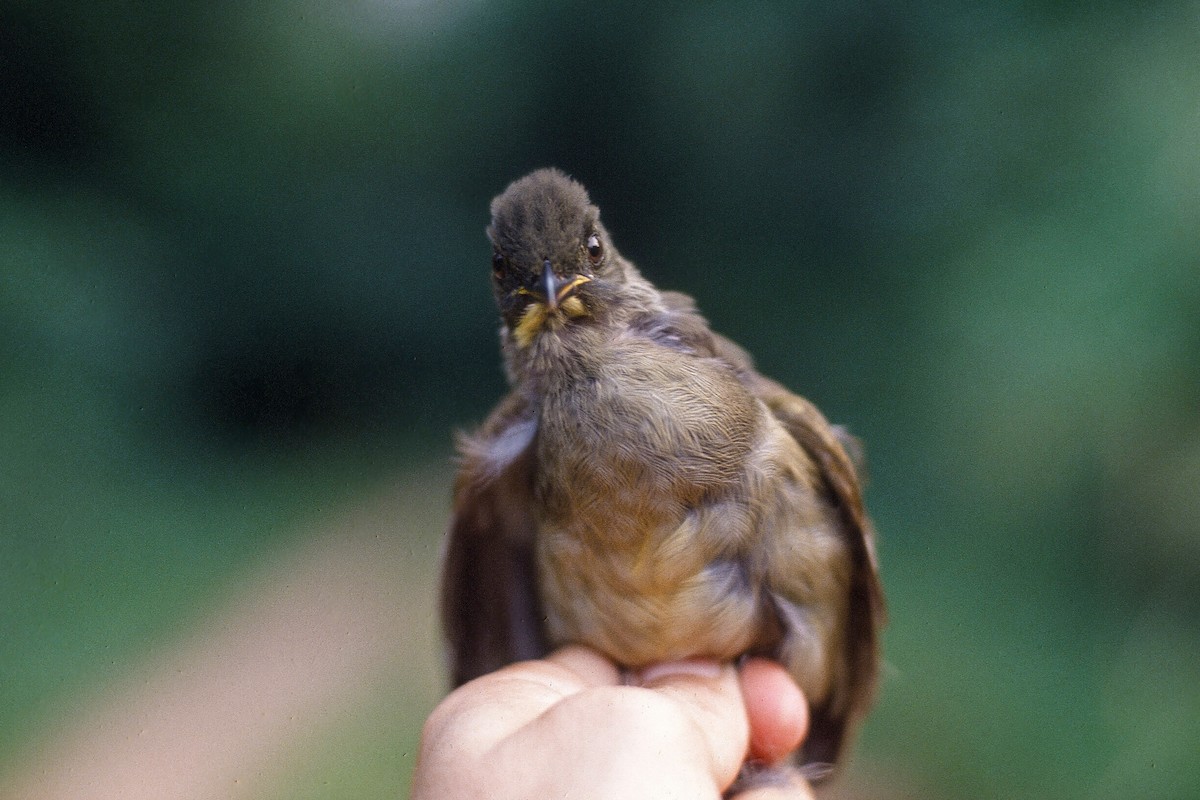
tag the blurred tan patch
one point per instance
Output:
(227, 710)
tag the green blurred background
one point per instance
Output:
(244, 293)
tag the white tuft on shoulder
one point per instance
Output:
(495, 455)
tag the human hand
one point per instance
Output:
(565, 726)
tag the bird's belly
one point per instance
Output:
(665, 595)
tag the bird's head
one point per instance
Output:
(552, 261)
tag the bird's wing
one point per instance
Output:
(837, 456)
(490, 608)
(855, 684)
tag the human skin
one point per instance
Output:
(571, 726)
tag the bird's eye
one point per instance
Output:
(499, 265)
(595, 249)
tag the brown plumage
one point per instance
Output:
(643, 490)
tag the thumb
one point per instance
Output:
(709, 695)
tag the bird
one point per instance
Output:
(643, 490)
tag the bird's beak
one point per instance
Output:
(549, 285)
(558, 289)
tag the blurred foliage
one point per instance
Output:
(244, 279)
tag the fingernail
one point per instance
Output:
(696, 667)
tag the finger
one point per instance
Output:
(776, 709)
(470, 722)
(591, 668)
(494, 706)
(710, 697)
(798, 791)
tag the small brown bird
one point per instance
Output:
(644, 491)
